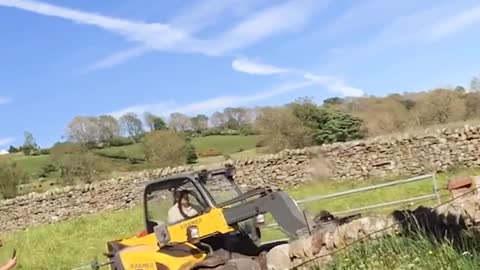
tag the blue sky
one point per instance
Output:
(60, 59)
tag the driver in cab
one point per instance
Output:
(174, 213)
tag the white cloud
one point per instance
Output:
(4, 100)
(118, 58)
(335, 84)
(281, 18)
(5, 141)
(216, 103)
(455, 23)
(3, 152)
(257, 68)
(286, 17)
(332, 83)
(155, 35)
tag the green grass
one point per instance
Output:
(394, 193)
(239, 155)
(72, 243)
(399, 253)
(117, 158)
(225, 144)
(31, 164)
(132, 151)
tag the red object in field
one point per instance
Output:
(462, 182)
(142, 233)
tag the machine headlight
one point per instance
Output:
(193, 234)
(260, 219)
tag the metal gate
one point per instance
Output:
(435, 195)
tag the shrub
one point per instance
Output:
(191, 154)
(209, 152)
(164, 148)
(280, 129)
(76, 163)
(122, 154)
(248, 130)
(11, 175)
(47, 169)
(120, 141)
(212, 131)
(135, 160)
(45, 151)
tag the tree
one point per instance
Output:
(132, 125)
(84, 130)
(165, 148)
(333, 101)
(440, 106)
(190, 153)
(148, 117)
(339, 127)
(11, 176)
(280, 129)
(159, 124)
(475, 84)
(218, 120)
(76, 163)
(12, 149)
(460, 89)
(384, 115)
(199, 123)
(235, 117)
(109, 128)
(154, 122)
(472, 105)
(179, 122)
(29, 143)
(326, 125)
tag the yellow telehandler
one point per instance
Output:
(204, 220)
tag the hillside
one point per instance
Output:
(122, 159)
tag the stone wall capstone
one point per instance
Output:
(397, 156)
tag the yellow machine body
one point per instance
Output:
(145, 253)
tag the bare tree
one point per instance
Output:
(199, 122)
(149, 118)
(109, 128)
(83, 130)
(280, 129)
(440, 106)
(217, 120)
(180, 122)
(164, 148)
(472, 104)
(132, 125)
(236, 117)
(475, 84)
(383, 115)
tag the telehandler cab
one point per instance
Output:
(204, 220)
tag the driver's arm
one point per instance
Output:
(174, 214)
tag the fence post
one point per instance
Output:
(435, 187)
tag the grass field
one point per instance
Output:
(225, 144)
(116, 158)
(69, 244)
(401, 253)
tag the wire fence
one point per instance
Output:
(348, 245)
(434, 195)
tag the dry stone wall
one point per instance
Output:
(404, 155)
(398, 156)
